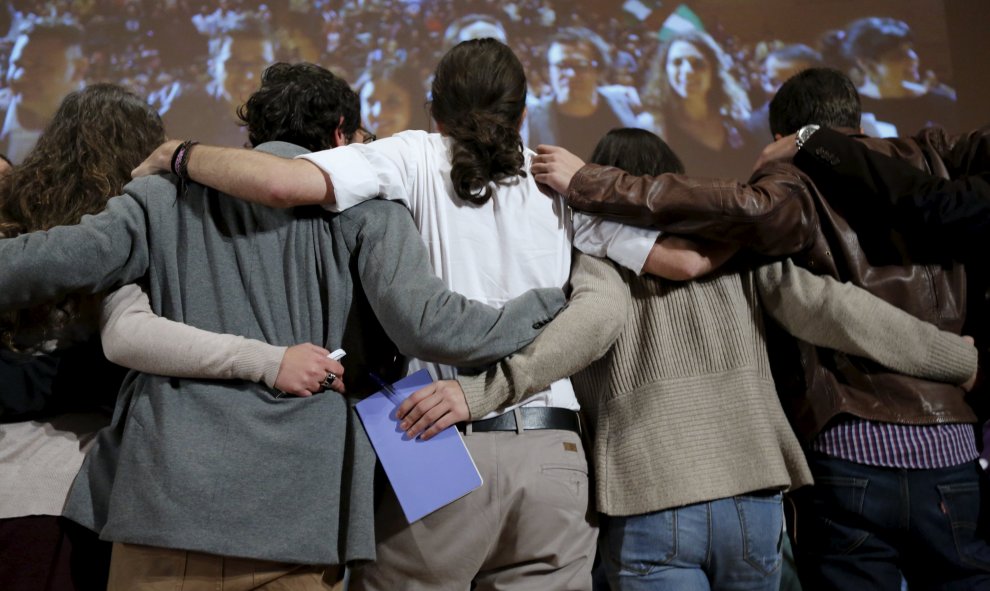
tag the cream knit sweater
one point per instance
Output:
(683, 407)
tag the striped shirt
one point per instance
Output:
(898, 446)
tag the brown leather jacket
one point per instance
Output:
(781, 212)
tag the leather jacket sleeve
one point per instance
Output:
(954, 212)
(772, 214)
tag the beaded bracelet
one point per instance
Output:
(180, 159)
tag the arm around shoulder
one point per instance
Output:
(847, 318)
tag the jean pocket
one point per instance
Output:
(836, 502)
(761, 520)
(639, 544)
(961, 506)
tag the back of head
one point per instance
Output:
(636, 151)
(303, 104)
(479, 96)
(821, 96)
(84, 157)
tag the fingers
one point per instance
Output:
(419, 410)
(306, 369)
(434, 408)
(414, 399)
(431, 416)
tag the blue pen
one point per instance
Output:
(387, 388)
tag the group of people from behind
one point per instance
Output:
(695, 426)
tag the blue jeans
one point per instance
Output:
(731, 544)
(862, 527)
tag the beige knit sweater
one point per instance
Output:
(683, 406)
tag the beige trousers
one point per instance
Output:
(148, 568)
(529, 526)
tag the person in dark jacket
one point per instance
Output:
(881, 446)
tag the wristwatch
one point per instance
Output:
(804, 134)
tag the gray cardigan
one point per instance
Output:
(225, 467)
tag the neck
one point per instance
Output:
(696, 108)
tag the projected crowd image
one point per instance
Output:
(681, 70)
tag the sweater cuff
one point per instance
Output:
(479, 405)
(952, 359)
(258, 362)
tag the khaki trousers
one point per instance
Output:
(148, 568)
(528, 527)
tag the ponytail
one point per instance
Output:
(479, 96)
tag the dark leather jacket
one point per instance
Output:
(781, 212)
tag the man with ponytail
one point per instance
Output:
(493, 233)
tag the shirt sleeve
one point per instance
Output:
(385, 168)
(628, 246)
(135, 337)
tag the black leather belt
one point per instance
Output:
(541, 417)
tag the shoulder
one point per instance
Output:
(283, 149)
(376, 213)
(151, 187)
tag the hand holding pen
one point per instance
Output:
(307, 369)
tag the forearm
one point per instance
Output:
(831, 157)
(682, 259)
(250, 175)
(773, 214)
(135, 337)
(580, 334)
(844, 317)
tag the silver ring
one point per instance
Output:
(329, 380)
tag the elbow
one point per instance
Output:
(279, 192)
(112, 351)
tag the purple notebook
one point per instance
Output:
(425, 475)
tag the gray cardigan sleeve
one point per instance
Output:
(581, 334)
(418, 312)
(844, 317)
(100, 252)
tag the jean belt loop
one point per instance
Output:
(517, 411)
(469, 428)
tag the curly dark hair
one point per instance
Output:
(302, 104)
(84, 156)
(479, 96)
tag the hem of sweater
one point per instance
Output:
(642, 508)
(644, 469)
(222, 547)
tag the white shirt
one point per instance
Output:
(518, 240)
